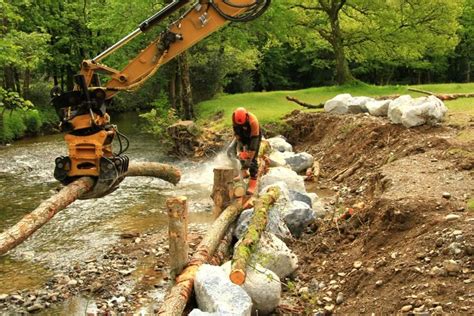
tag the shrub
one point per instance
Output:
(33, 121)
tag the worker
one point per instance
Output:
(247, 138)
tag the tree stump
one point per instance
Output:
(178, 232)
(222, 190)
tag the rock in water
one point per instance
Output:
(215, 293)
(298, 162)
(280, 144)
(262, 285)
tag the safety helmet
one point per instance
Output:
(240, 116)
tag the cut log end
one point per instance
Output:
(237, 276)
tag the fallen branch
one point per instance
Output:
(444, 96)
(31, 222)
(349, 171)
(256, 226)
(304, 104)
(180, 293)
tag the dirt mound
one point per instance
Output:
(408, 245)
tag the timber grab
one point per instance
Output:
(83, 111)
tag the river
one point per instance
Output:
(87, 227)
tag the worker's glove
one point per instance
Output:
(243, 155)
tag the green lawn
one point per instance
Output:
(272, 106)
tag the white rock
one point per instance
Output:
(298, 162)
(272, 253)
(277, 159)
(280, 144)
(292, 179)
(215, 293)
(452, 217)
(338, 104)
(262, 285)
(198, 312)
(414, 112)
(378, 108)
(358, 104)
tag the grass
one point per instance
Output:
(272, 106)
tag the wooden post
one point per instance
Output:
(179, 295)
(222, 190)
(177, 232)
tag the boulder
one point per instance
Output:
(262, 285)
(292, 179)
(280, 144)
(298, 217)
(198, 312)
(319, 210)
(414, 112)
(338, 104)
(358, 104)
(378, 108)
(298, 162)
(276, 159)
(272, 254)
(215, 293)
(395, 108)
(302, 197)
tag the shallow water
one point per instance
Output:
(87, 227)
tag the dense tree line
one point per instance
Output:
(295, 44)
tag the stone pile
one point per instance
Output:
(272, 260)
(403, 110)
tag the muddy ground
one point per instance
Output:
(408, 247)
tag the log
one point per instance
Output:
(239, 189)
(177, 233)
(154, 169)
(31, 222)
(312, 173)
(223, 250)
(179, 295)
(257, 225)
(222, 189)
(304, 104)
(444, 96)
(349, 171)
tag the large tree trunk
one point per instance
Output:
(172, 88)
(180, 293)
(26, 83)
(187, 96)
(257, 225)
(46, 210)
(343, 73)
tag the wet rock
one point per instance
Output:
(452, 217)
(3, 297)
(298, 162)
(280, 144)
(35, 308)
(72, 282)
(339, 298)
(446, 195)
(215, 293)
(379, 283)
(262, 285)
(298, 217)
(272, 253)
(17, 298)
(329, 308)
(357, 264)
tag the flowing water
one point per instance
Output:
(86, 227)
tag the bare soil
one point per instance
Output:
(399, 252)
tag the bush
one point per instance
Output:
(39, 94)
(13, 127)
(160, 117)
(33, 122)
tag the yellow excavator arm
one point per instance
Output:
(89, 134)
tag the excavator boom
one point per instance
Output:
(83, 115)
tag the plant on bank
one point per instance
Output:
(160, 117)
